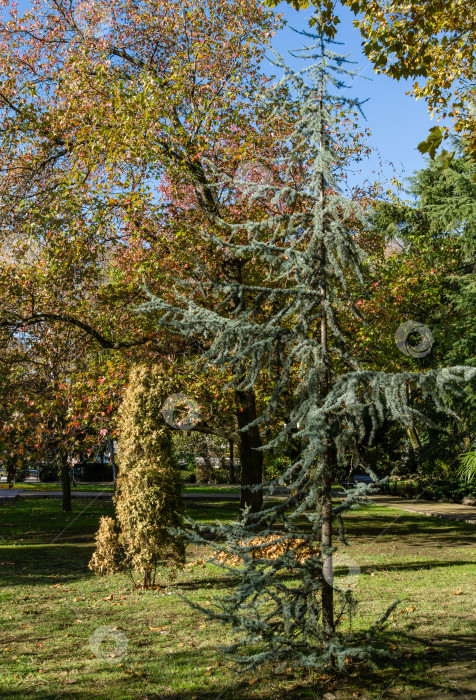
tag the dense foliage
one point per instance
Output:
(287, 326)
(429, 40)
(148, 500)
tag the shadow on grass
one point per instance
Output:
(37, 564)
(413, 566)
(415, 674)
(410, 526)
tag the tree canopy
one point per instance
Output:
(430, 40)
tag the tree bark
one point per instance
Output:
(232, 463)
(11, 474)
(204, 471)
(65, 482)
(327, 590)
(414, 439)
(251, 459)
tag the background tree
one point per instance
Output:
(426, 272)
(62, 399)
(154, 97)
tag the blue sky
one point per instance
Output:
(397, 121)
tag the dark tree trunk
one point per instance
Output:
(251, 459)
(65, 483)
(232, 463)
(113, 461)
(11, 474)
(414, 439)
(327, 590)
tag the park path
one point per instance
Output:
(447, 511)
(9, 494)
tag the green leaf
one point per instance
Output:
(432, 143)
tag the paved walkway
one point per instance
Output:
(447, 511)
(9, 494)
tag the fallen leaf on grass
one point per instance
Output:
(109, 597)
(275, 548)
(253, 680)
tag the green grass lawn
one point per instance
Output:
(51, 607)
(108, 486)
(56, 486)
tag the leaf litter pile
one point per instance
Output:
(274, 549)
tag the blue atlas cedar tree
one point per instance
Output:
(282, 609)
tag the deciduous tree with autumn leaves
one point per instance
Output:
(104, 145)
